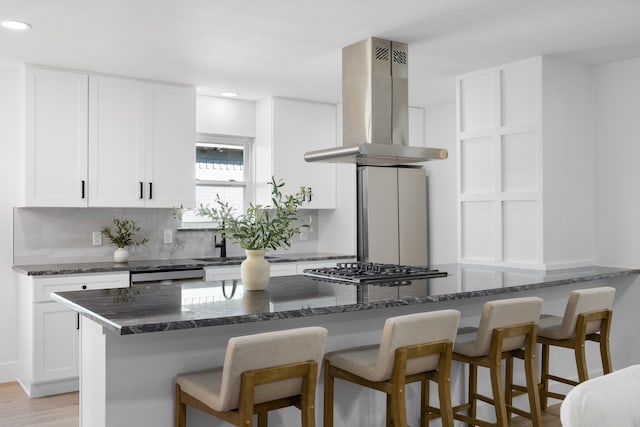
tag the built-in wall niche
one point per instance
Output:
(519, 157)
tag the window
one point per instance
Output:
(222, 167)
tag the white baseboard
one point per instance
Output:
(8, 371)
(50, 388)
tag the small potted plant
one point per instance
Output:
(259, 229)
(122, 235)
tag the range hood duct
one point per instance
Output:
(375, 109)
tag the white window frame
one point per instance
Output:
(248, 184)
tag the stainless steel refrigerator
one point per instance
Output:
(392, 215)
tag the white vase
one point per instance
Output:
(254, 271)
(121, 255)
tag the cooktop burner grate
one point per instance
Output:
(364, 273)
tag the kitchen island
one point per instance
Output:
(135, 340)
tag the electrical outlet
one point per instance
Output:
(168, 236)
(97, 238)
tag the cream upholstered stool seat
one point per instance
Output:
(414, 347)
(506, 326)
(587, 317)
(261, 372)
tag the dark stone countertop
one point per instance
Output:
(164, 264)
(151, 308)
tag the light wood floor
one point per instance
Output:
(17, 410)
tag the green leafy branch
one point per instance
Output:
(123, 233)
(261, 227)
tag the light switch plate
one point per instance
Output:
(97, 238)
(168, 236)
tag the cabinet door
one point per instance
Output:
(55, 342)
(170, 149)
(116, 142)
(56, 138)
(276, 269)
(298, 127)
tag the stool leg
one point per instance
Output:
(181, 410)
(544, 377)
(263, 418)
(424, 402)
(473, 390)
(495, 372)
(508, 392)
(606, 355)
(390, 414)
(581, 359)
(328, 395)
(444, 392)
(399, 409)
(532, 385)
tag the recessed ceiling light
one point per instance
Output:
(229, 94)
(15, 25)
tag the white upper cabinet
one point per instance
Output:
(117, 142)
(285, 130)
(93, 140)
(170, 149)
(56, 138)
(141, 144)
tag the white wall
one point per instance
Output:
(568, 163)
(10, 136)
(440, 132)
(224, 116)
(337, 227)
(617, 164)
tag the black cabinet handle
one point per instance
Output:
(141, 190)
(309, 190)
(78, 321)
(150, 190)
(84, 286)
(82, 186)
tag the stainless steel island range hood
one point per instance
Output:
(375, 111)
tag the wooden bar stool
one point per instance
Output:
(587, 317)
(506, 326)
(261, 372)
(415, 347)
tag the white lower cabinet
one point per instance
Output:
(49, 353)
(56, 329)
(233, 271)
(301, 266)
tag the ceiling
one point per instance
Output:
(292, 48)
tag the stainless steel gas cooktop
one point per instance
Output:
(366, 273)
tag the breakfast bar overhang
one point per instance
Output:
(135, 340)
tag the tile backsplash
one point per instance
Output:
(63, 235)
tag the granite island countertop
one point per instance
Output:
(136, 266)
(152, 308)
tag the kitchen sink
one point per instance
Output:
(230, 258)
(219, 259)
